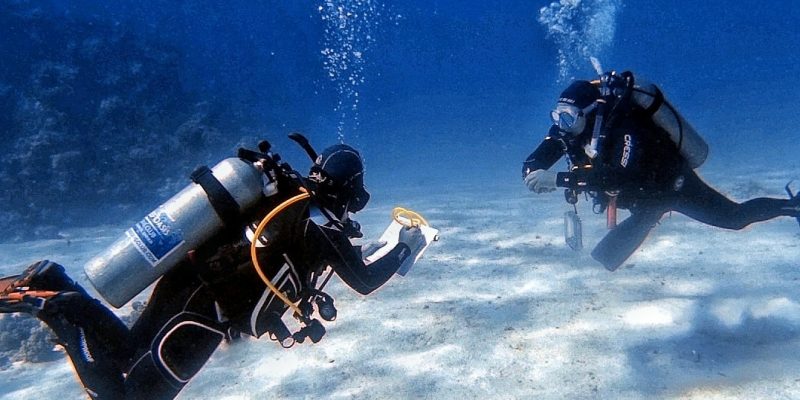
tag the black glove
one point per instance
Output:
(412, 237)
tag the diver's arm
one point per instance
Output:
(365, 279)
(545, 155)
(334, 248)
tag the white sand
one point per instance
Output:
(501, 308)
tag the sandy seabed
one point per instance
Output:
(501, 308)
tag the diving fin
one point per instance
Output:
(620, 243)
(7, 282)
(793, 197)
(7, 285)
(27, 292)
(16, 296)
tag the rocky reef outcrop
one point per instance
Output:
(94, 120)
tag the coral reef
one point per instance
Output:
(24, 338)
(94, 122)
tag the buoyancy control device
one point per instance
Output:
(617, 89)
(216, 198)
(647, 97)
(620, 88)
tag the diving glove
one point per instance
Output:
(412, 237)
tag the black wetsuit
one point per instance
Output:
(642, 165)
(199, 303)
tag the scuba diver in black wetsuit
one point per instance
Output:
(215, 292)
(627, 148)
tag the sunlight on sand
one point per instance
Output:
(536, 287)
(528, 239)
(732, 312)
(425, 362)
(696, 287)
(501, 307)
(778, 307)
(667, 313)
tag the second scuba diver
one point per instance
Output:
(629, 148)
(215, 292)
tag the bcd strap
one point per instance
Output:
(224, 204)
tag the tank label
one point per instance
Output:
(155, 236)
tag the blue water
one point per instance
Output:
(446, 90)
(106, 106)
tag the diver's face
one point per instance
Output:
(569, 119)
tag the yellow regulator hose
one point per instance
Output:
(253, 255)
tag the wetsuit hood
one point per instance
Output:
(338, 179)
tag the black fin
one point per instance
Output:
(618, 245)
(793, 197)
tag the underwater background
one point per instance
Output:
(107, 107)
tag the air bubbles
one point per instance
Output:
(350, 30)
(581, 29)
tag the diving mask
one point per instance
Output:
(569, 118)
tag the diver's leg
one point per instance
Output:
(699, 201)
(618, 245)
(94, 338)
(175, 336)
(179, 350)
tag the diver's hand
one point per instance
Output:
(412, 237)
(371, 247)
(541, 181)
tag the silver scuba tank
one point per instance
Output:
(691, 146)
(161, 239)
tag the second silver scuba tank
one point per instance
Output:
(162, 239)
(691, 146)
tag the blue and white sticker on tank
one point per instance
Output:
(155, 236)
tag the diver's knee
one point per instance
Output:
(177, 353)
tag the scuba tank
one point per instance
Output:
(620, 88)
(162, 239)
(218, 199)
(691, 146)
